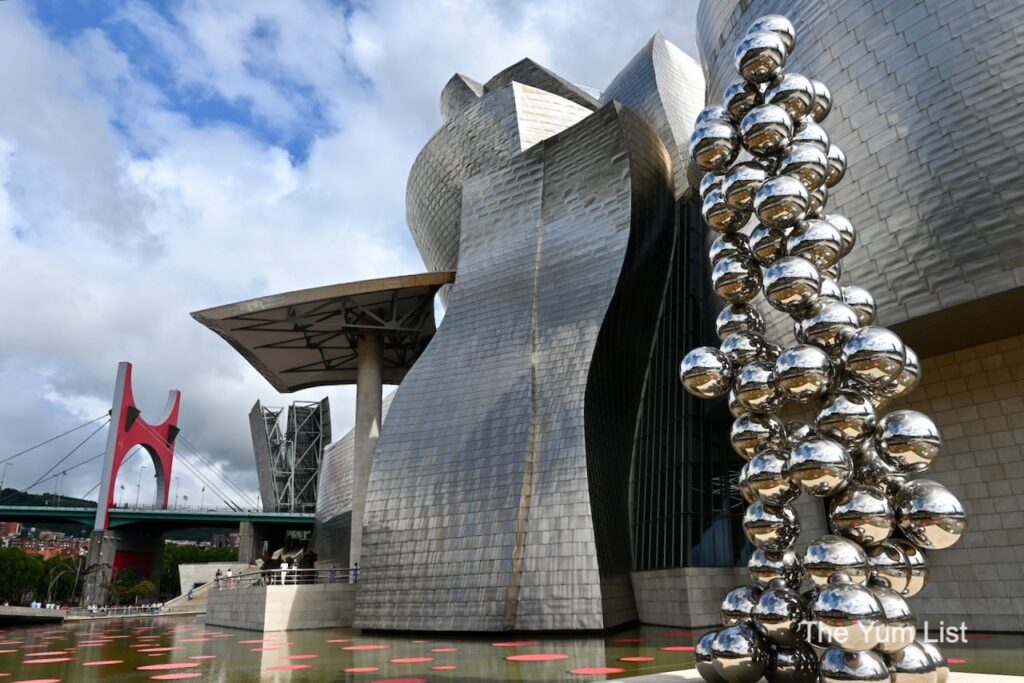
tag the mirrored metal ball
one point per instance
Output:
(862, 514)
(729, 244)
(766, 477)
(889, 566)
(781, 202)
(907, 380)
(860, 300)
(847, 417)
(870, 469)
(834, 271)
(720, 216)
(708, 182)
(912, 665)
(822, 101)
(766, 566)
(738, 604)
(772, 527)
(742, 481)
(918, 567)
(908, 440)
(742, 182)
(793, 92)
(756, 389)
(751, 433)
(900, 626)
(746, 346)
(792, 665)
(739, 653)
(777, 24)
(816, 201)
(836, 165)
(714, 113)
(941, 665)
(740, 97)
(821, 466)
(781, 614)
(702, 653)
(766, 130)
(791, 284)
(807, 164)
(832, 554)
(849, 616)
(737, 280)
(828, 324)
(760, 56)
(735, 407)
(714, 145)
(739, 317)
(830, 289)
(873, 355)
(803, 373)
(766, 244)
(706, 372)
(930, 515)
(807, 132)
(846, 231)
(817, 241)
(839, 666)
(797, 431)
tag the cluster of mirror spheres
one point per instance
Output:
(769, 165)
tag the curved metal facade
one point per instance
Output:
(499, 493)
(929, 120)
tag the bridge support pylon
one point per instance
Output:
(115, 551)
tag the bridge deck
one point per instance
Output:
(157, 520)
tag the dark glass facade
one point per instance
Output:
(685, 507)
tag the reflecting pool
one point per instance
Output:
(180, 648)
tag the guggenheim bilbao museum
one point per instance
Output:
(539, 466)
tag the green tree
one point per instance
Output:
(175, 554)
(141, 591)
(124, 581)
(20, 576)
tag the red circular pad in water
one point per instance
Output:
(444, 649)
(443, 667)
(290, 657)
(410, 660)
(955, 660)
(104, 662)
(175, 677)
(361, 669)
(677, 648)
(537, 657)
(516, 643)
(636, 659)
(595, 670)
(203, 657)
(361, 648)
(164, 667)
(625, 641)
(289, 667)
(48, 660)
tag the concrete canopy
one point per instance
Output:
(309, 337)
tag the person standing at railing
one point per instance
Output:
(231, 581)
(216, 579)
(284, 571)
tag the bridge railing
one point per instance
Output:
(128, 610)
(286, 577)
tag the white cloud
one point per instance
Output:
(119, 214)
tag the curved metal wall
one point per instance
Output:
(927, 101)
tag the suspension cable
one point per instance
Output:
(51, 440)
(68, 455)
(242, 494)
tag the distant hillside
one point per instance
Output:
(16, 497)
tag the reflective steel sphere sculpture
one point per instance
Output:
(738, 604)
(766, 130)
(848, 615)
(900, 626)
(853, 454)
(908, 440)
(780, 613)
(803, 373)
(840, 666)
(791, 284)
(781, 202)
(766, 566)
(767, 478)
(706, 372)
(821, 466)
(792, 665)
(740, 654)
(831, 555)
(929, 515)
(862, 514)
(772, 527)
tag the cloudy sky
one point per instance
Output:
(158, 158)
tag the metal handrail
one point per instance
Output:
(287, 577)
(114, 611)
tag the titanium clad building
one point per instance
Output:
(927, 100)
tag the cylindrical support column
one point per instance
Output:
(369, 390)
